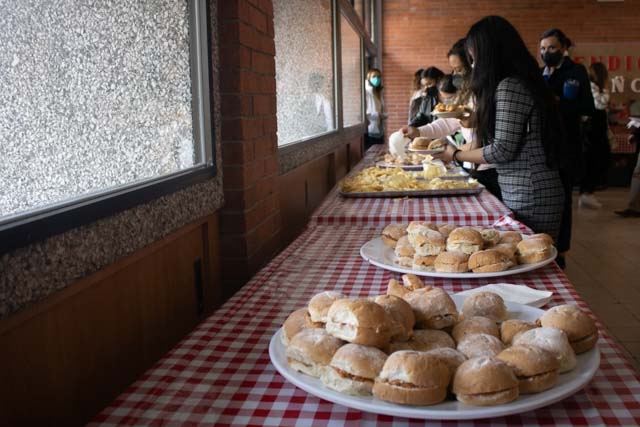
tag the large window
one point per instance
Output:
(99, 97)
(304, 69)
(352, 79)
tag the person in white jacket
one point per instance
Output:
(375, 109)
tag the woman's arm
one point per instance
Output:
(439, 128)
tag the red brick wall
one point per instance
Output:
(419, 33)
(250, 219)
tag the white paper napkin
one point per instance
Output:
(520, 294)
(397, 144)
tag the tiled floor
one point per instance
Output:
(604, 267)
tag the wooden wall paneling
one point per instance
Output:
(293, 203)
(341, 156)
(318, 182)
(355, 152)
(67, 357)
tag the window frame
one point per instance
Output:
(37, 224)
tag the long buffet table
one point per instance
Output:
(221, 373)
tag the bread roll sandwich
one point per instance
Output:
(530, 251)
(430, 242)
(485, 381)
(475, 325)
(412, 378)
(401, 314)
(510, 237)
(452, 262)
(581, 330)
(486, 304)
(424, 340)
(544, 236)
(512, 327)
(446, 229)
(404, 252)
(489, 260)
(465, 239)
(359, 321)
(433, 309)
(420, 143)
(319, 305)
(437, 144)
(480, 345)
(413, 282)
(450, 356)
(490, 236)
(535, 367)
(392, 233)
(553, 340)
(311, 350)
(296, 322)
(353, 369)
(424, 263)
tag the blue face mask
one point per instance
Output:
(457, 81)
(375, 81)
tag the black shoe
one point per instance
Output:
(562, 263)
(628, 213)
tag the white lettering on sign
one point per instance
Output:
(635, 85)
(617, 84)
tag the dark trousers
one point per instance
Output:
(564, 236)
(371, 140)
(489, 178)
(597, 154)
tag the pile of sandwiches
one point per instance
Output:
(411, 346)
(426, 246)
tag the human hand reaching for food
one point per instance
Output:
(410, 132)
(446, 155)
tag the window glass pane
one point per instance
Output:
(304, 69)
(352, 80)
(358, 5)
(91, 98)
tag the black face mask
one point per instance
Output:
(432, 91)
(551, 59)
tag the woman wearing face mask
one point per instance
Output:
(428, 99)
(460, 69)
(375, 109)
(517, 124)
(570, 84)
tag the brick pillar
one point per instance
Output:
(250, 219)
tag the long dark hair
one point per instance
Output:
(598, 74)
(416, 79)
(499, 52)
(460, 51)
(446, 84)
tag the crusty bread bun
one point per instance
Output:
(353, 369)
(429, 243)
(509, 249)
(413, 282)
(485, 381)
(296, 322)
(450, 356)
(396, 289)
(535, 367)
(311, 350)
(480, 345)
(551, 339)
(433, 309)
(510, 237)
(421, 227)
(404, 252)
(543, 236)
(420, 143)
(581, 330)
(424, 263)
(424, 340)
(319, 305)
(446, 229)
(490, 236)
(359, 321)
(412, 378)
(437, 144)
(485, 304)
(489, 260)
(401, 314)
(512, 327)
(475, 325)
(452, 262)
(530, 251)
(465, 239)
(392, 233)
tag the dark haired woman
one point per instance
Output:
(570, 84)
(516, 123)
(597, 152)
(422, 105)
(460, 69)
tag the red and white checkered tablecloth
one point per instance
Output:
(221, 373)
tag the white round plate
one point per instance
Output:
(405, 167)
(568, 384)
(448, 114)
(425, 150)
(381, 255)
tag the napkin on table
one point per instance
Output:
(520, 294)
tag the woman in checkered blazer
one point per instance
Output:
(518, 124)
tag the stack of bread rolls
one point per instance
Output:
(445, 248)
(411, 346)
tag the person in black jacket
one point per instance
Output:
(423, 104)
(570, 83)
